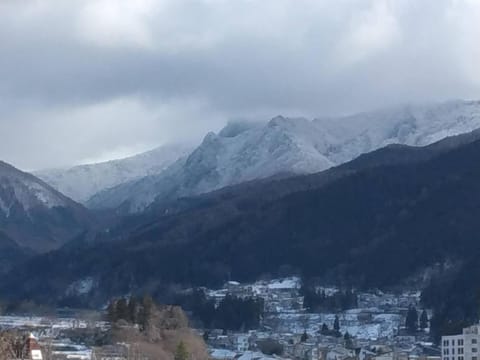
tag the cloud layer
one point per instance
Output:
(93, 79)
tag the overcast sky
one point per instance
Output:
(92, 80)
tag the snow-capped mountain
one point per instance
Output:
(35, 215)
(417, 125)
(290, 145)
(82, 181)
(236, 154)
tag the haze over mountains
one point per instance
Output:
(247, 151)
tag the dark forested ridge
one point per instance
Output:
(11, 253)
(370, 223)
(35, 218)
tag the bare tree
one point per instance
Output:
(10, 346)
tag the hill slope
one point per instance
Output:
(35, 216)
(372, 222)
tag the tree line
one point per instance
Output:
(413, 322)
(231, 313)
(315, 300)
(132, 310)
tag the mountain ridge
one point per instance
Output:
(35, 215)
(338, 224)
(83, 181)
(289, 145)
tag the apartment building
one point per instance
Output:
(462, 347)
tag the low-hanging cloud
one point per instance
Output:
(92, 79)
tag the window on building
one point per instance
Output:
(460, 342)
(474, 341)
(460, 358)
(474, 349)
(445, 342)
(460, 351)
(474, 358)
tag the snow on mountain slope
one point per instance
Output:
(18, 188)
(240, 153)
(83, 181)
(282, 145)
(35, 215)
(418, 125)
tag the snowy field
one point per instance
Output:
(380, 325)
(379, 314)
(10, 322)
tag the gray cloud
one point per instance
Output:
(86, 80)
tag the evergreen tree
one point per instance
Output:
(112, 315)
(122, 310)
(411, 322)
(148, 306)
(348, 340)
(234, 313)
(304, 337)
(424, 320)
(181, 352)
(206, 336)
(336, 324)
(133, 308)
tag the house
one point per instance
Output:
(111, 352)
(252, 355)
(339, 353)
(33, 349)
(242, 343)
(364, 354)
(222, 354)
(385, 356)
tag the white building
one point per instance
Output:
(242, 343)
(462, 347)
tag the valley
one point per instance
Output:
(239, 180)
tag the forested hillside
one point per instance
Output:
(367, 224)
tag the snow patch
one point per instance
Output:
(81, 287)
(19, 188)
(4, 208)
(289, 283)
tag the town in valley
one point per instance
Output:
(372, 325)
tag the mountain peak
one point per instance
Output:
(83, 181)
(210, 138)
(235, 128)
(295, 146)
(277, 120)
